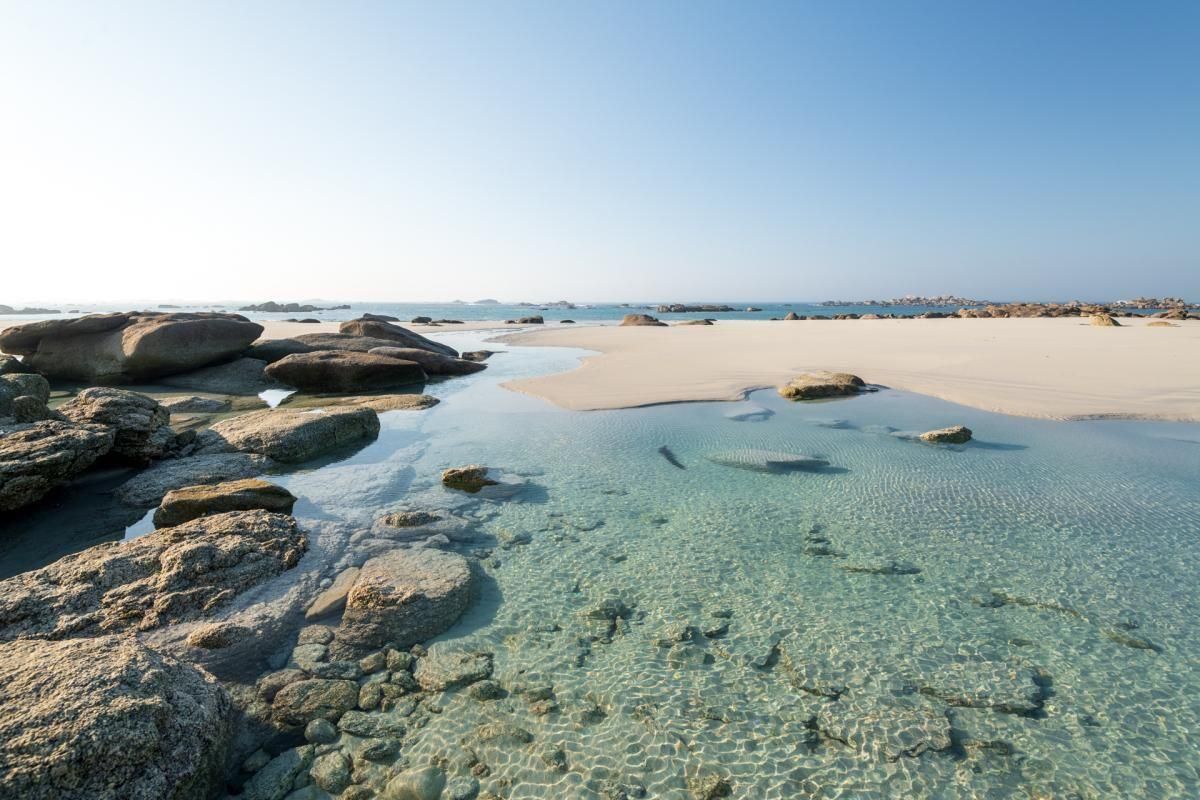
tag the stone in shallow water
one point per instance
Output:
(107, 718)
(291, 436)
(471, 478)
(765, 460)
(998, 685)
(36, 457)
(276, 779)
(147, 488)
(884, 727)
(372, 725)
(425, 783)
(331, 772)
(445, 669)
(138, 422)
(955, 434)
(298, 703)
(813, 385)
(190, 502)
(880, 567)
(333, 599)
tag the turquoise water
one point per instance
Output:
(1015, 617)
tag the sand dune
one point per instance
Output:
(1052, 368)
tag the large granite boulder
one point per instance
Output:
(148, 487)
(108, 719)
(812, 385)
(191, 502)
(335, 371)
(128, 347)
(291, 436)
(36, 457)
(398, 336)
(139, 423)
(630, 320)
(432, 363)
(23, 398)
(403, 597)
(170, 575)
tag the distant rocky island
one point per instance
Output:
(913, 300)
(271, 307)
(10, 310)
(679, 308)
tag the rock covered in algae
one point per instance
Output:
(470, 478)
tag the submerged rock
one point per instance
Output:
(403, 597)
(171, 575)
(425, 783)
(813, 385)
(108, 719)
(344, 371)
(410, 519)
(127, 347)
(139, 423)
(182, 505)
(766, 460)
(998, 685)
(956, 434)
(291, 436)
(749, 412)
(147, 488)
(36, 457)
(468, 479)
(445, 669)
(300, 702)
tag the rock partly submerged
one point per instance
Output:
(170, 575)
(191, 502)
(814, 385)
(108, 719)
(955, 434)
(291, 436)
(36, 457)
(757, 460)
(344, 371)
(130, 346)
(147, 488)
(470, 478)
(432, 363)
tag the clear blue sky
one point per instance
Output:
(607, 150)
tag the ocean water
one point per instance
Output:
(1015, 617)
(1011, 618)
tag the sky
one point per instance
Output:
(594, 151)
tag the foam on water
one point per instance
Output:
(1014, 617)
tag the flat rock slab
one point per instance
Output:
(885, 728)
(36, 457)
(998, 685)
(147, 488)
(291, 436)
(813, 385)
(344, 371)
(443, 669)
(191, 502)
(432, 363)
(108, 719)
(170, 575)
(765, 460)
(403, 597)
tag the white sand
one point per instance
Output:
(1050, 368)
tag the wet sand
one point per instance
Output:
(1061, 368)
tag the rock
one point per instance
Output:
(182, 505)
(956, 434)
(377, 402)
(765, 460)
(269, 685)
(425, 783)
(410, 519)
(196, 405)
(641, 319)
(1158, 323)
(372, 726)
(217, 636)
(432, 363)
(811, 385)
(147, 488)
(170, 575)
(444, 669)
(998, 685)
(36, 457)
(403, 597)
(108, 719)
(749, 412)
(469, 479)
(380, 318)
(272, 307)
(708, 786)
(1104, 321)
(320, 731)
(486, 690)
(11, 365)
(503, 734)
(128, 347)
(138, 422)
(291, 436)
(414, 320)
(477, 355)
(696, 322)
(243, 377)
(344, 371)
(331, 772)
(333, 599)
(880, 567)
(887, 727)
(276, 780)
(394, 334)
(17, 385)
(300, 702)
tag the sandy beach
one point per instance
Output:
(1060, 368)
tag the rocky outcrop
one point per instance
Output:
(812, 385)
(147, 488)
(127, 347)
(955, 434)
(23, 398)
(171, 575)
(182, 505)
(401, 598)
(379, 402)
(196, 405)
(11, 365)
(291, 436)
(139, 423)
(536, 319)
(36, 457)
(432, 363)
(630, 320)
(477, 355)
(242, 376)
(271, 307)
(791, 316)
(471, 478)
(343, 371)
(396, 335)
(108, 719)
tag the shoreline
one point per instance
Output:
(1044, 368)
